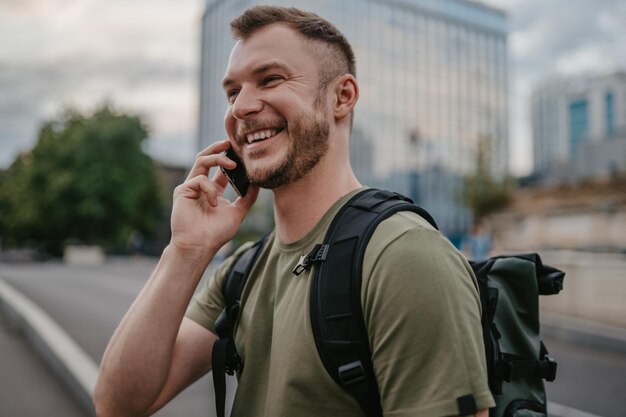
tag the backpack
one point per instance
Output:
(517, 360)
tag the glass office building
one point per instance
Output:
(433, 78)
(570, 113)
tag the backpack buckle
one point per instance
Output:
(351, 373)
(547, 368)
(233, 363)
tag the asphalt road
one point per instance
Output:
(89, 302)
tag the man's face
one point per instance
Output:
(276, 117)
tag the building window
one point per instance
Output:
(609, 104)
(578, 124)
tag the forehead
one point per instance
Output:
(274, 43)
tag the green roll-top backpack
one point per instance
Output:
(509, 286)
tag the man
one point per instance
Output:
(291, 90)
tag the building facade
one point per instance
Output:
(578, 125)
(434, 82)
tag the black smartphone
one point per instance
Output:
(237, 177)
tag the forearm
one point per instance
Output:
(137, 360)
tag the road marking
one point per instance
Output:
(43, 330)
(560, 410)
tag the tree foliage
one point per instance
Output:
(482, 192)
(86, 180)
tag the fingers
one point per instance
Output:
(198, 184)
(211, 157)
(220, 179)
(200, 187)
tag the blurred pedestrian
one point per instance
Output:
(477, 244)
(135, 244)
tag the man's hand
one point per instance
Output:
(155, 352)
(202, 219)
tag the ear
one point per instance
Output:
(346, 95)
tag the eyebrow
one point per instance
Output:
(258, 70)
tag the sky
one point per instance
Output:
(143, 57)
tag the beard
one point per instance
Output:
(308, 144)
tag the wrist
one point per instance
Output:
(190, 253)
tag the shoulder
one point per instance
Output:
(222, 271)
(420, 301)
(407, 257)
(409, 238)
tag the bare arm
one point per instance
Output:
(155, 352)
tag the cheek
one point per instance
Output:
(229, 123)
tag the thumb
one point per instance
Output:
(244, 204)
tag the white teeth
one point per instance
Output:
(263, 134)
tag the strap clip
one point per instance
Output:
(546, 368)
(233, 361)
(317, 254)
(351, 373)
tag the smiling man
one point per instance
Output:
(291, 90)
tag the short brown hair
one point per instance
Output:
(310, 25)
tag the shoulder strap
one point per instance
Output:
(224, 358)
(335, 304)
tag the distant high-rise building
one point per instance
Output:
(571, 117)
(434, 82)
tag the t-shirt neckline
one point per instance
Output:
(311, 238)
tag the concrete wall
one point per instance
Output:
(602, 228)
(595, 283)
(594, 288)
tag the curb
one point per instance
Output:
(68, 361)
(584, 332)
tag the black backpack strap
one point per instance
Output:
(224, 357)
(336, 312)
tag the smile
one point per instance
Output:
(262, 135)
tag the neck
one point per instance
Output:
(299, 206)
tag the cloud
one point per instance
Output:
(546, 31)
(141, 56)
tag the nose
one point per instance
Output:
(246, 103)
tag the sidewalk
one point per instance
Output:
(40, 359)
(22, 371)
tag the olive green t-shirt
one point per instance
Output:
(421, 309)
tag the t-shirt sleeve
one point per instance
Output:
(422, 310)
(208, 303)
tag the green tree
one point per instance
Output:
(482, 193)
(86, 180)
